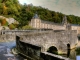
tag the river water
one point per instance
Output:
(5, 51)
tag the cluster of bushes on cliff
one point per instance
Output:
(3, 22)
(24, 13)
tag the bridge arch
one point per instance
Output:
(52, 49)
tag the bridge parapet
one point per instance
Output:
(51, 56)
(34, 52)
(21, 32)
(46, 39)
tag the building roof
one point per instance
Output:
(35, 16)
(49, 22)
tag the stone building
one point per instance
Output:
(37, 23)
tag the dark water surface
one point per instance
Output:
(5, 51)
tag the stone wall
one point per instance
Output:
(76, 28)
(27, 49)
(56, 38)
(44, 39)
(7, 37)
(33, 52)
(39, 24)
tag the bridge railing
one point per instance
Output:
(50, 56)
(22, 32)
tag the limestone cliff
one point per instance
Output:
(7, 23)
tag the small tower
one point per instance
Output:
(35, 21)
(35, 16)
(64, 22)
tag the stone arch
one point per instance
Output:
(68, 45)
(52, 49)
(68, 49)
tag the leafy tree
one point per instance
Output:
(24, 13)
(26, 27)
(11, 26)
(4, 22)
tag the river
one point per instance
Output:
(5, 51)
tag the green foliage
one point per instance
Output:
(26, 27)
(6, 24)
(12, 26)
(9, 7)
(78, 51)
(24, 13)
(3, 22)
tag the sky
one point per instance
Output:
(64, 6)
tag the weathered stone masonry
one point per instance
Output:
(58, 38)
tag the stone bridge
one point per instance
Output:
(34, 42)
(47, 39)
(43, 38)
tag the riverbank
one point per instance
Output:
(5, 51)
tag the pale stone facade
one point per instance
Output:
(73, 27)
(37, 23)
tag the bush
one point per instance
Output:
(3, 22)
(26, 27)
(11, 26)
(78, 51)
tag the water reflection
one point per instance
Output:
(77, 57)
(73, 54)
(5, 51)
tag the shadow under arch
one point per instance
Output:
(68, 49)
(53, 50)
